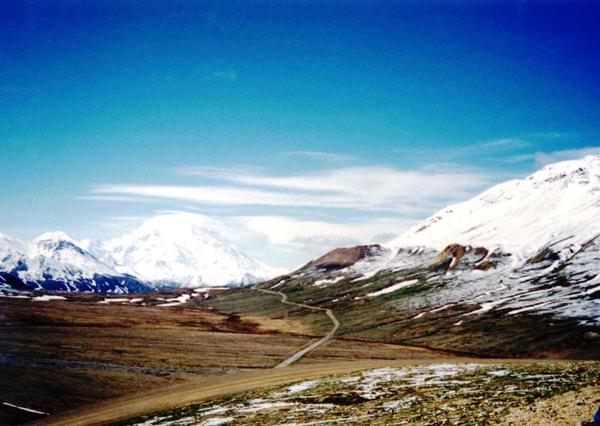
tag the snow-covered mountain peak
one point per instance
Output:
(57, 245)
(175, 227)
(54, 236)
(178, 249)
(588, 165)
(9, 245)
(183, 249)
(558, 204)
(4, 237)
(58, 255)
(55, 261)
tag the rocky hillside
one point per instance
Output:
(523, 255)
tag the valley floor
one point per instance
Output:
(84, 361)
(59, 355)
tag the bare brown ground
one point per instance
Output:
(58, 356)
(568, 409)
(278, 325)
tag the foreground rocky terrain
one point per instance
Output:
(433, 394)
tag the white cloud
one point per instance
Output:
(287, 220)
(304, 240)
(290, 230)
(113, 198)
(372, 188)
(544, 158)
(504, 143)
(321, 156)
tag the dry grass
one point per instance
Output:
(569, 409)
(343, 350)
(61, 355)
(282, 325)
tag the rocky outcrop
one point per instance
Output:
(343, 257)
(474, 257)
(545, 254)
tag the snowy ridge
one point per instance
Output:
(55, 261)
(181, 249)
(529, 246)
(560, 204)
(58, 255)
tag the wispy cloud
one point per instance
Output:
(321, 156)
(553, 136)
(370, 188)
(285, 230)
(543, 158)
(113, 198)
(507, 148)
(225, 74)
(287, 219)
(307, 239)
(504, 143)
(217, 173)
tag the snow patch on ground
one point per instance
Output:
(323, 282)
(14, 296)
(217, 421)
(47, 298)
(393, 288)
(301, 387)
(29, 410)
(175, 301)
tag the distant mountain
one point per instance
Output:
(174, 250)
(181, 249)
(524, 248)
(54, 261)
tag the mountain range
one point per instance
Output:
(526, 245)
(170, 250)
(56, 262)
(526, 248)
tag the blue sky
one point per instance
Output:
(295, 125)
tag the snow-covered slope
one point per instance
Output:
(559, 203)
(529, 246)
(54, 261)
(182, 249)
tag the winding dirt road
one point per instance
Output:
(298, 355)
